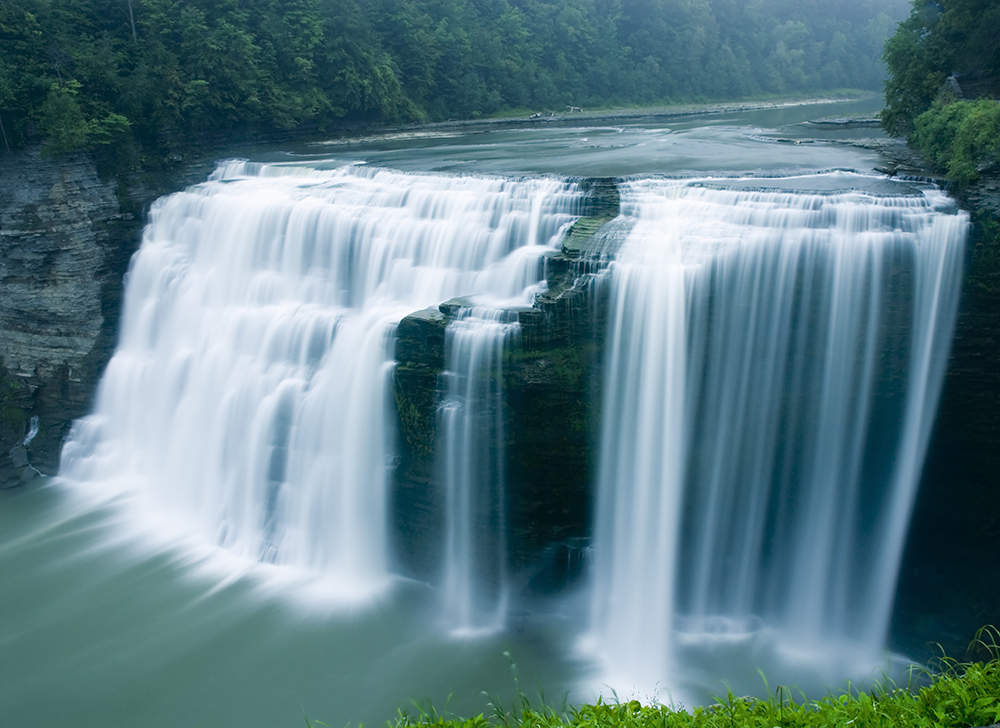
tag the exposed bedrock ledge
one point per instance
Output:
(66, 236)
(417, 502)
(552, 396)
(551, 411)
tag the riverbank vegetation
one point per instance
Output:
(154, 75)
(944, 80)
(960, 138)
(954, 695)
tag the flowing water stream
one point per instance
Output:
(773, 364)
(475, 583)
(216, 548)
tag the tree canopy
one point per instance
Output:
(82, 73)
(943, 46)
(940, 38)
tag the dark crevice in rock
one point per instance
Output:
(551, 410)
(948, 587)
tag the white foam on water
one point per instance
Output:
(774, 361)
(247, 405)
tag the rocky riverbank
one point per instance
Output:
(66, 236)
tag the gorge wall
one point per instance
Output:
(66, 236)
(68, 228)
(949, 583)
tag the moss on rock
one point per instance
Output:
(551, 411)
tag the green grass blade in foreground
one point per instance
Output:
(956, 695)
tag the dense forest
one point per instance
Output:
(944, 66)
(153, 74)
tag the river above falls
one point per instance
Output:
(758, 141)
(109, 620)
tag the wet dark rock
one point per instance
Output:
(66, 236)
(601, 207)
(551, 407)
(846, 122)
(948, 584)
(552, 393)
(897, 156)
(416, 506)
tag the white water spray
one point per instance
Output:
(248, 395)
(475, 588)
(774, 362)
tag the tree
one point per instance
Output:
(937, 40)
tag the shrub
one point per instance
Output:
(961, 139)
(67, 130)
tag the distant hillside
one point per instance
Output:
(143, 77)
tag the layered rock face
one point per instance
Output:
(551, 392)
(65, 242)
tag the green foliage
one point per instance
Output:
(939, 38)
(66, 129)
(917, 60)
(162, 73)
(955, 696)
(960, 139)
(61, 121)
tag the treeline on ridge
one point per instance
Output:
(80, 73)
(944, 82)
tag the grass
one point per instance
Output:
(953, 695)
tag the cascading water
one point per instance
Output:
(472, 452)
(248, 395)
(774, 361)
(247, 406)
(475, 588)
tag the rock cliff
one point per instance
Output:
(66, 236)
(950, 583)
(552, 390)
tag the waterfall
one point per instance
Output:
(641, 459)
(475, 589)
(248, 398)
(774, 361)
